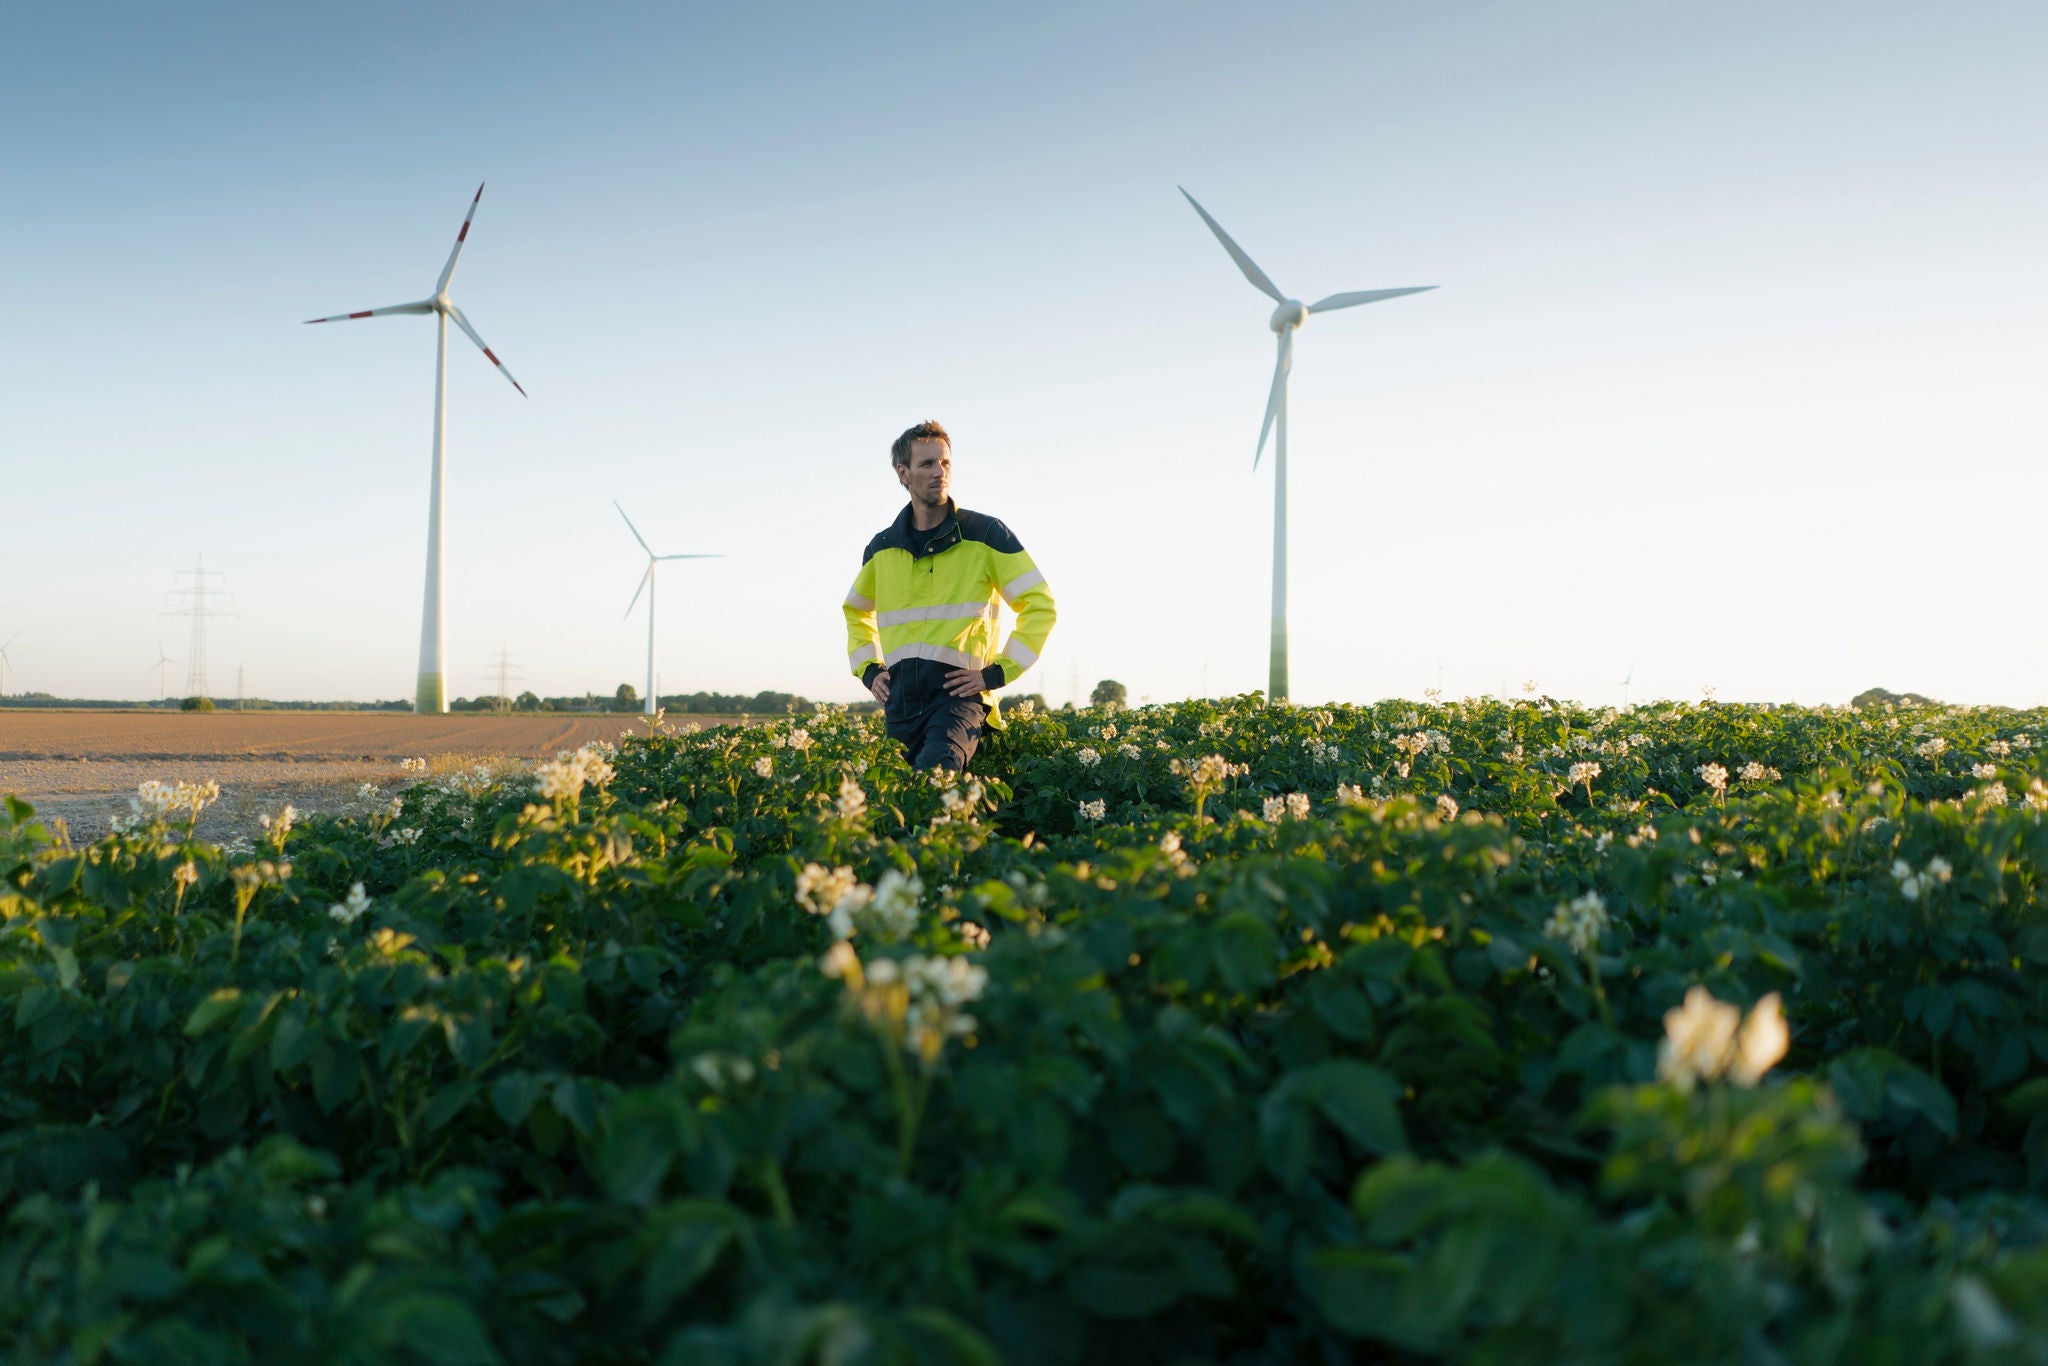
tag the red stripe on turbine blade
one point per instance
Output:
(517, 385)
(465, 230)
(493, 359)
(479, 194)
(364, 314)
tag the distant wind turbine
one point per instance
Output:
(431, 693)
(647, 585)
(163, 667)
(1624, 684)
(1288, 317)
(4, 661)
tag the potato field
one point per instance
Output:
(1213, 1032)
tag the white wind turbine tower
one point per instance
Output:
(431, 694)
(1288, 317)
(163, 667)
(647, 585)
(4, 661)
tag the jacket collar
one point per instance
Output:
(942, 537)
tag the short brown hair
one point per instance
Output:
(899, 453)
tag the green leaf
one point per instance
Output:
(640, 1144)
(256, 1032)
(212, 1011)
(1358, 1292)
(67, 966)
(449, 1102)
(1126, 1292)
(1286, 1135)
(1245, 950)
(2010, 1062)
(2027, 1099)
(440, 1328)
(284, 1161)
(686, 1254)
(961, 1343)
(574, 1102)
(1362, 1101)
(1911, 1090)
(1344, 1007)
(514, 1095)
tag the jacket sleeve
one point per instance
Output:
(1024, 588)
(863, 637)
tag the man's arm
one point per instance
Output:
(1030, 598)
(1023, 587)
(863, 635)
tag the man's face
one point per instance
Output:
(929, 475)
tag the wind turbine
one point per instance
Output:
(1623, 685)
(647, 585)
(431, 694)
(4, 661)
(163, 668)
(1288, 317)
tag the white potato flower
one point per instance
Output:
(1579, 922)
(891, 914)
(1707, 1040)
(348, 912)
(852, 802)
(1446, 807)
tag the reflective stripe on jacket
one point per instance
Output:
(928, 613)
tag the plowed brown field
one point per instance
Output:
(81, 766)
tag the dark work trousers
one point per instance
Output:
(940, 733)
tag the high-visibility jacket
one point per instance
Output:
(926, 603)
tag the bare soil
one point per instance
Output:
(81, 767)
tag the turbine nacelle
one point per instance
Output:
(1291, 313)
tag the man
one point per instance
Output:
(921, 619)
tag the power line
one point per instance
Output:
(198, 601)
(507, 671)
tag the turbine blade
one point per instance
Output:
(463, 323)
(638, 591)
(1244, 262)
(1279, 394)
(448, 271)
(1364, 296)
(634, 529)
(423, 306)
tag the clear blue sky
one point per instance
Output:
(1735, 374)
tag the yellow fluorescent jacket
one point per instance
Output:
(941, 606)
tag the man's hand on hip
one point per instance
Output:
(965, 683)
(880, 686)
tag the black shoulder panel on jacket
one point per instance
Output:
(882, 541)
(990, 531)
